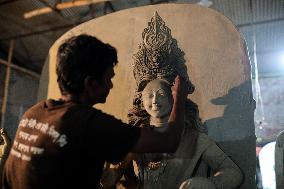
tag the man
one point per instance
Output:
(64, 143)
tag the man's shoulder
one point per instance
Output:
(51, 105)
(35, 108)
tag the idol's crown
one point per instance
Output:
(158, 56)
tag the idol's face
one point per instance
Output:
(157, 98)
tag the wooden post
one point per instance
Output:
(6, 85)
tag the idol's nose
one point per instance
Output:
(154, 99)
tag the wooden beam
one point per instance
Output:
(20, 69)
(42, 31)
(61, 6)
(7, 2)
(6, 85)
(53, 8)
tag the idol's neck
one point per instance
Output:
(160, 123)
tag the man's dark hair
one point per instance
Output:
(79, 57)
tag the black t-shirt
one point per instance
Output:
(64, 145)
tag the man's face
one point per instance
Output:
(105, 85)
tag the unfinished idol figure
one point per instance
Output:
(198, 161)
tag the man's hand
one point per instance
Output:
(179, 89)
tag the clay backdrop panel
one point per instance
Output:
(216, 61)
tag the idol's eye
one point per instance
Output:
(150, 95)
(161, 92)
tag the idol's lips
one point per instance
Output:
(156, 107)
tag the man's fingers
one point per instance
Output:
(177, 82)
(179, 85)
(177, 79)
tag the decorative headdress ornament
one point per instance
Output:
(158, 56)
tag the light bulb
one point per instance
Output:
(205, 3)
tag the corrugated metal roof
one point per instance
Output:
(263, 18)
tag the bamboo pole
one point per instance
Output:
(6, 85)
